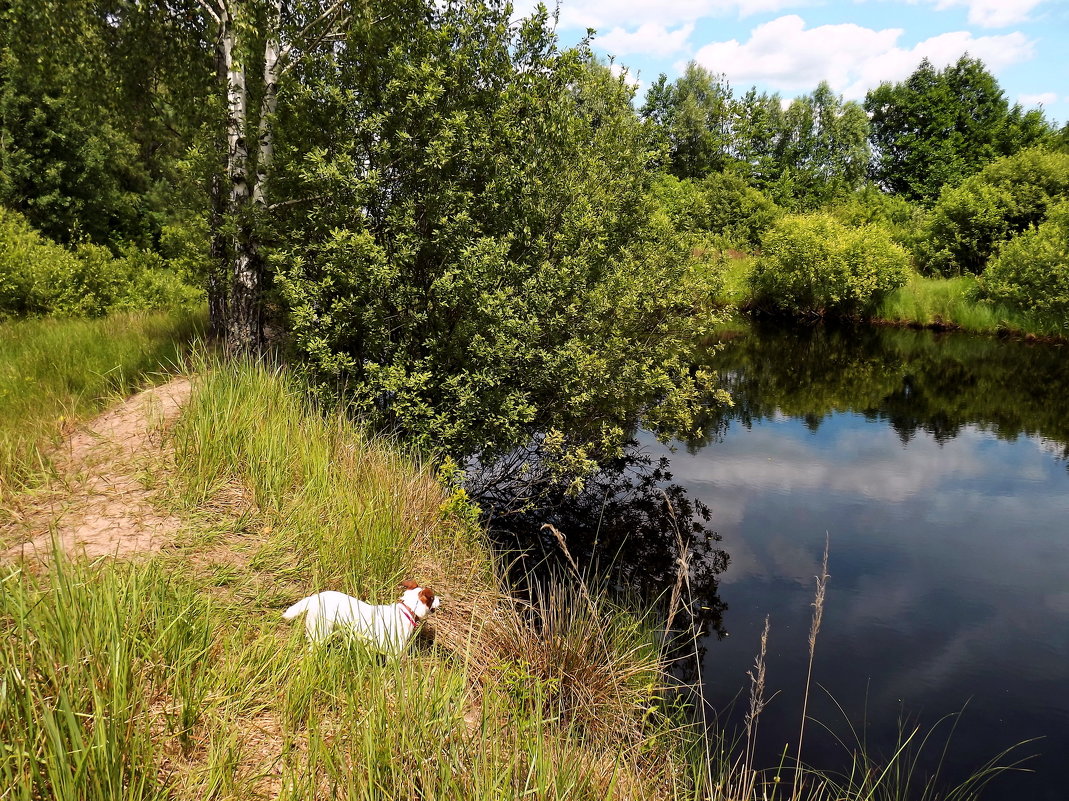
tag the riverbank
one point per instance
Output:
(169, 673)
(942, 304)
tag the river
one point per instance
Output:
(936, 467)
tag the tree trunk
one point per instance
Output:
(244, 327)
(219, 263)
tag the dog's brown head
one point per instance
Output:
(422, 600)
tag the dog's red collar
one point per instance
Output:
(408, 613)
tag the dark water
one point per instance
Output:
(936, 465)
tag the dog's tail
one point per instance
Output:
(298, 608)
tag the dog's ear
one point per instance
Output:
(409, 584)
(427, 596)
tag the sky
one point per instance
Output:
(789, 46)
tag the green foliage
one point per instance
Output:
(935, 128)
(822, 150)
(802, 156)
(693, 115)
(1006, 197)
(41, 277)
(814, 264)
(480, 266)
(903, 221)
(1031, 270)
(96, 100)
(722, 204)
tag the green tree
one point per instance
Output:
(1008, 196)
(821, 151)
(97, 100)
(937, 127)
(693, 114)
(477, 265)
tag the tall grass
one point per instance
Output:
(221, 698)
(54, 372)
(953, 303)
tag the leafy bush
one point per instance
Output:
(812, 263)
(1005, 198)
(38, 276)
(26, 259)
(902, 220)
(722, 204)
(481, 270)
(1032, 269)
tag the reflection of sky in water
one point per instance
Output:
(949, 582)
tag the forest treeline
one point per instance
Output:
(471, 234)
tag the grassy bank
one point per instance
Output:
(940, 303)
(55, 372)
(175, 676)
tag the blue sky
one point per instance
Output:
(789, 46)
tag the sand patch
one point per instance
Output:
(100, 503)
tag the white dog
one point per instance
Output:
(386, 628)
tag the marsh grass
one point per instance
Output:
(954, 303)
(56, 372)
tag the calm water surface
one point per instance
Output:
(937, 468)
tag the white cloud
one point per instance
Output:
(650, 39)
(1041, 99)
(630, 14)
(993, 13)
(785, 55)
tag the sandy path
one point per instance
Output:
(100, 505)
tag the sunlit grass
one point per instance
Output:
(953, 303)
(55, 372)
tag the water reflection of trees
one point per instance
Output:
(619, 528)
(915, 380)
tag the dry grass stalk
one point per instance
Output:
(814, 629)
(753, 714)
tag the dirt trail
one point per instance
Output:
(99, 504)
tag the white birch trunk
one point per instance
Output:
(268, 105)
(243, 330)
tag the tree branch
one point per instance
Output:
(215, 12)
(329, 32)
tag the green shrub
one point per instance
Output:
(1031, 271)
(27, 260)
(812, 263)
(902, 220)
(38, 276)
(1008, 196)
(722, 204)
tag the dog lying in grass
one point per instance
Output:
(386, 628)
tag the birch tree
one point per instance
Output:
(256, 43)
